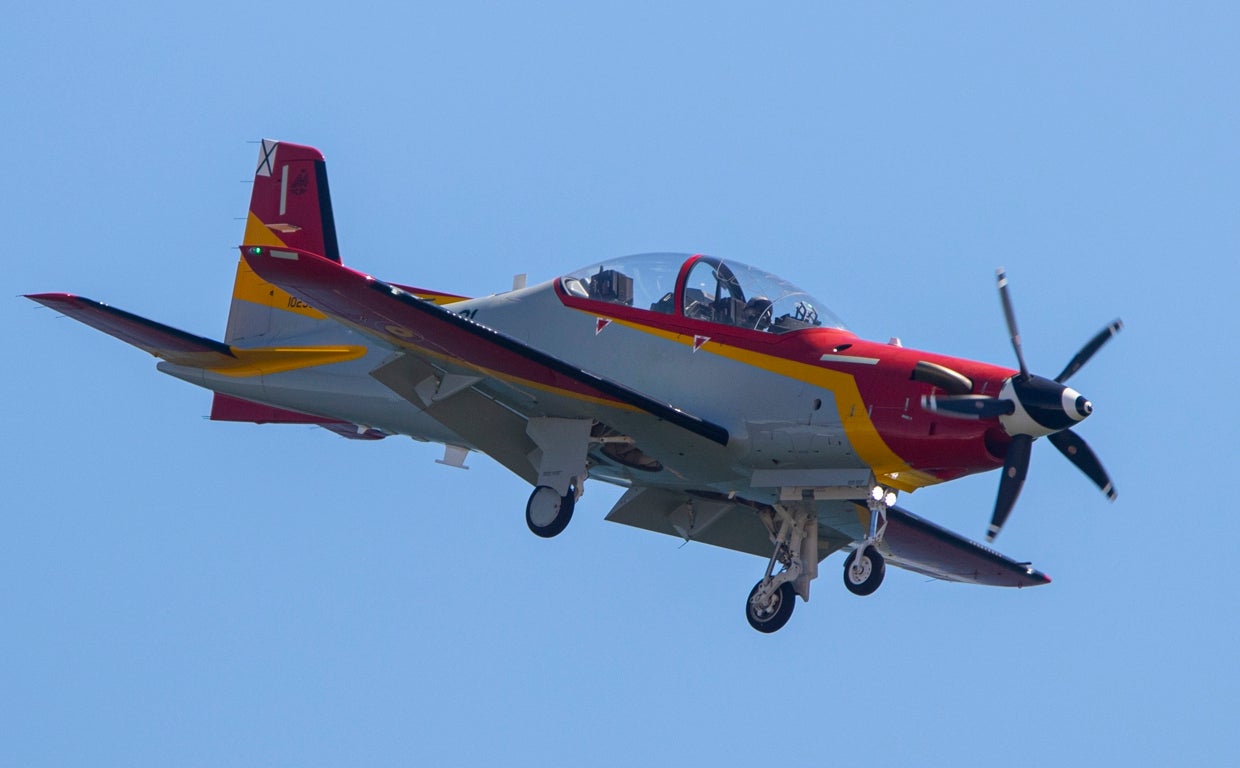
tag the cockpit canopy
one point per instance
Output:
(702, 288)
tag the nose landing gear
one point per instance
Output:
(865, 568)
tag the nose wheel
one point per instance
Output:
(864, 570)
(547, 512)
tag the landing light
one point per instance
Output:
(881, 494)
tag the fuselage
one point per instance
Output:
(797, 396)
(809, 398)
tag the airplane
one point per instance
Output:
(734, 408)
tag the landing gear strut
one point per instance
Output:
(794, 531)
(864, 569)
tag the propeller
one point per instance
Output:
(1029, 407)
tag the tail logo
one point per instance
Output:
(301, 183)
(266, 157)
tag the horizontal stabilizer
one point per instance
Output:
(229, 408)
(171, 344)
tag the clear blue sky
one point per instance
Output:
(181, 592)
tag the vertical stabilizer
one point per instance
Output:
(290, 206)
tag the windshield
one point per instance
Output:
(729, 293)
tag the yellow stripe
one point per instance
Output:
(266, 360)
(258, 233)
(248, 286)
(888, 467)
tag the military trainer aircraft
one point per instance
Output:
(734, 407)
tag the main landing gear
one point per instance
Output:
(547, 512)
(560, 460)
(794, 532)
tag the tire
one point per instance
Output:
(781, 610)
(547, 513)
(871, 576)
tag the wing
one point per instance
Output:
(181, 348)
(911, 542)
(916, 544)
(175, 346)
(479, 382)
(186, 349)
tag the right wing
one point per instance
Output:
(916, 544)
(910, 542)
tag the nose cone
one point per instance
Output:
(1074, 403)
(1075, 406)
(1044, 406)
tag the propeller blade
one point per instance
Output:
(1010, 314)
(968, 406)
(1015, 468)
(1089, 349)
(1079, 453)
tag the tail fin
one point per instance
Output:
(290, 206)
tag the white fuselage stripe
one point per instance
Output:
(849, 359)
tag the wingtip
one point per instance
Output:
(54, 300)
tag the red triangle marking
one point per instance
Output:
(599, 324)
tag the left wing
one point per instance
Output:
(164, 341)
(186, 349)
(486, 384)
(396, 316)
